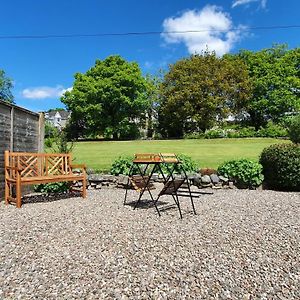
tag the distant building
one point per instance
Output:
(58, 118)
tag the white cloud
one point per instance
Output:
(44, 92)
(215, 30)
(235, 3)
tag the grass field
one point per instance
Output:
(207, 153)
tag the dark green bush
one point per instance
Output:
(294, 129)
(281, 166)
(244, 172)
(56, 187)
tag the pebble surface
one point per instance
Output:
(242, 244)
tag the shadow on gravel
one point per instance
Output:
(145, 203)
(44, 198)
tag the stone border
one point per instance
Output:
(214, 181)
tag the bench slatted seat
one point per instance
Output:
(22, 168)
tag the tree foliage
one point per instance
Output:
(5, 88)
(107, 99)
(275, 74)
(199, 90)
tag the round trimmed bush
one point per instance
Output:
(294, 130)
(244, 172)
(281, 166)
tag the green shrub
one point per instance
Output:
(56, 187)
(294, 129)
(281, 166)
(188, 164)
(193, 136)
(272, 131)
(59, 143)
(244, 172)
(123, 164)
(214, 134)
(48, 142)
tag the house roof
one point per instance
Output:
(63, 113)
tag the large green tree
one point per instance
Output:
(5, 88)
(201, 89)
(275, 75)
(108, 99)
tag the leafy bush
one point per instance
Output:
(272, 131)
(56, 187)
(214, 134)
(294, 129)
(281, 166)
(49, 142)
(59, 143)
(193, 135)
(123, 164)
(188, 164)
(244, 172)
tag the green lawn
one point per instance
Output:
(208, 153)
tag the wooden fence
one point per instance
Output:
(20, 130)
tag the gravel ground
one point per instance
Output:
(241, 245)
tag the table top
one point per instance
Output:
(155, 158)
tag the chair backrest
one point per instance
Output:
(38, 164)
(169, 158)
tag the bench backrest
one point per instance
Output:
(38, 164)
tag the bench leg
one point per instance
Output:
(7, 192)
(18, 195)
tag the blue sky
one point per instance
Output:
(42, 69)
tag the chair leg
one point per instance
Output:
(84, 188)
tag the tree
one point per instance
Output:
(275, 75)
(108, 99)
(199, 90)
(5, 88)
(152, 94)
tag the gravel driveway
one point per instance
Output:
(241, 245)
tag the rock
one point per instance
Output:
(223, 179)
(197, 181)
(109, 178)
(95, 178)
(155, 176)
(205, 179)
(214, 178)
(98, 186)
(216, 187)
(122, 180)
(206, 185)
(231, 185)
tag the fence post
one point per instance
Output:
(41, 132)
(11, 144)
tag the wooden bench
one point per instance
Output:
(23, 168)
